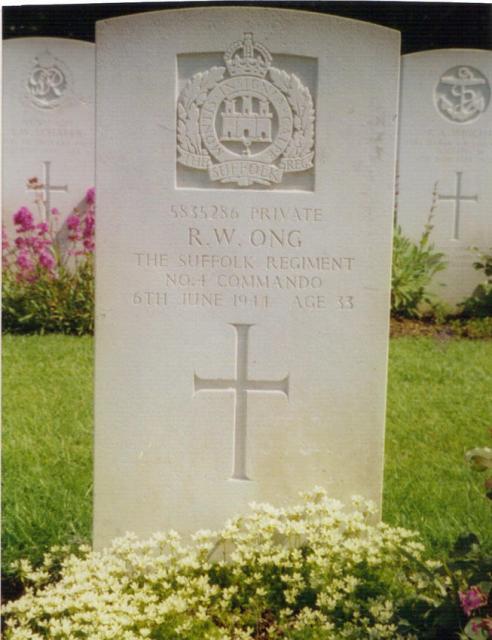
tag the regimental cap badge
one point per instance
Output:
(248, 122)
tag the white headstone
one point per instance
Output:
(445, 159)
(48, 125)
(245, 188)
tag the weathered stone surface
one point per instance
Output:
(48, 125)
(245, 191)
(445, 159)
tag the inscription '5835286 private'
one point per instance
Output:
(257, 121)
(243, 312)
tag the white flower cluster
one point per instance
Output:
(307, 572)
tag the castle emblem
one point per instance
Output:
(247, 122)
(463, 93)
(48, 81)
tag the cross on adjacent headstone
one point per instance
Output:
(48, 122)
(444, 124)
(241, 385)
(457, 198)
(46, 188)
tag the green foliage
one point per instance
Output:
(474, 328)
(63, 304)
(414, 267)
(437, 409)
(480, 460)
(439, 406)
(313, 570)
(48, 285)
(47, 433)
(466, 611)
(479, 304)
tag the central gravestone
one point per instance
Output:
(245, 195)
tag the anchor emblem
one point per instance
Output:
(463, 93)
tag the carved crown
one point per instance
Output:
(254, 59)
(45, 60)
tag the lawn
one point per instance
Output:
(439, 405)
(47, 442)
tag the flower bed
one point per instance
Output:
(311, 571)
(48, 280)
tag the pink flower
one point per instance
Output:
(90, 195)
(482, 624)
(472, 599)
(90, 221)
(20, 243)
(37, 244)
(89, 245)
(73, 222)
(46, 260)
(487, 625)
(24, 219)
(24, 261)
(5, 239)
(43, 228)
(55, 212)
(89, 225)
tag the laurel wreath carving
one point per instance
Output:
(300, 100)
(192, 97)
(199, 85)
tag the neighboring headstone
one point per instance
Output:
(48, 125)
(246, 162)
(445, 159)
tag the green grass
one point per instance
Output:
(438, 407)
(47, 443)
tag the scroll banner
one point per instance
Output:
(245, 172)
(290, 165)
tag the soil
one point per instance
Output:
(12, 589)
(409, 327)
(456, 328)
